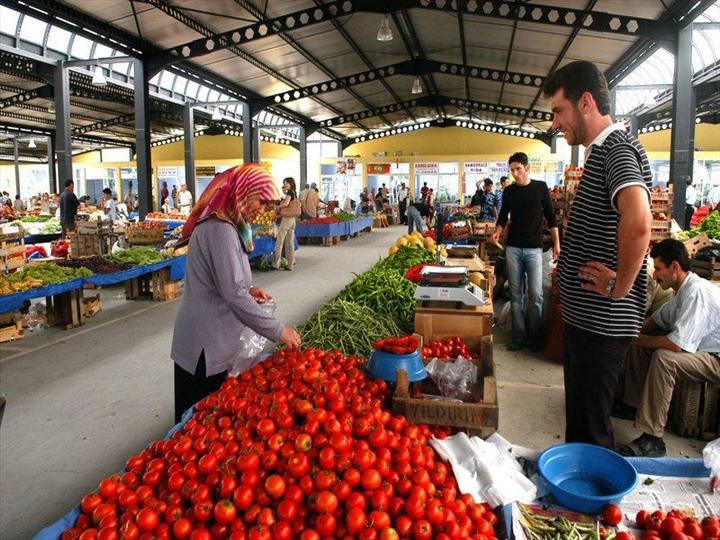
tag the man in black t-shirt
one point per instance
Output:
(526, 202)
(68, 207)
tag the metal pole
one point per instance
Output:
(634, 125)
(303, 158)
(52, 179)
(575, 155)
(62, 120)
(16, 161)
(247, 133)
(189, 132)
(142, 139)
(682, 143)
(613, 103)
(256, 143)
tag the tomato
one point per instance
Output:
(422, 530)
(224, 512)
(90, 502)
(326, 525)
(129, 531)
(326, 503)
(108, 488)
(287, 511)
(202, 511)
(403, 525)
(243, 497)
(147, 519)
(611, 515)
(281, 531)
(102, 511)
(711, 530)
(108, 533)
(200, 534)
(671, 525)
(624, 535)
(371, 480)
(641, 518)
(208, 464)
(693, 530)
(275, 486)
(355, 520)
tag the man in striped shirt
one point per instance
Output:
(602, 274)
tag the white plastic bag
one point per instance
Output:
(711, 458)
(250, 345)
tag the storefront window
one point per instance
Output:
(477, 171)
(338, 187)
(442, 178)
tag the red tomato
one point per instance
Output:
(147, 519)
(612, 515)
(624, 535)
(326, 503)
(224, 512)
(275, 486)
(182, 528)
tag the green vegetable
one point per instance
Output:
(346, 326)
(385, 291)
(52, 226)
(138, 255)
(49, 273)
(711, 225)
(344, 216)
(35, 219)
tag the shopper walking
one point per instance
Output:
(602, 269)
(174, 196)
(528, 201)
(109, 205)
(310, 203)
(289, 210)
(402, 202)
(691, 197)
(219, 300)
(185, 199)
(68, 207)
(164, 194)
(488, 202)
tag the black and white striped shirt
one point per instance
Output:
(591, 235)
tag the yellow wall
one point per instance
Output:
(707, 139)
(449, 141)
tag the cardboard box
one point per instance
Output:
(481, 416)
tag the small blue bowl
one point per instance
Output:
(585, 478)
(383, 365)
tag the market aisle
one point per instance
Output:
(81, 402)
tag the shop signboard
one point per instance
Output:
(167, 172)
(378, 168)
(205, 171)
(423, 167)
(345, 166)
(477, 167)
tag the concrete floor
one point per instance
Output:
(81, 402)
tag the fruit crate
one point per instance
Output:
(88, 245)
(137, 236)
(12, 332)
(12, 252)
(93, 227)
(707, 269)
(91, 306)
(694, 410)
(479, 417)
(164, 288)
(693, 245)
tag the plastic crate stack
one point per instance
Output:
(661, 201)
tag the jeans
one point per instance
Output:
(526, 319)
(414, 221)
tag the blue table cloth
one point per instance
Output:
(264, 245)
(343, 228)
(12, 302)
(42, 238)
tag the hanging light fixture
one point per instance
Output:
(384, 31)
(216, 115)
(98, 77)
(32, 144)
(417, 87)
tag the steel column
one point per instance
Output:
(247, 133)
(142, 138)
(634, 125)
(682, 144)
(189, 131)
(63, 131)
(52, 178)
(255, 139)
(303, 157)
(575, 155)
(16, 161)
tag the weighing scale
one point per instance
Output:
(448, 284)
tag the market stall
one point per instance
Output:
(332, 229)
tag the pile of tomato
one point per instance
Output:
(676, 525)
(300, 446)
(321, 221)
(397, 345)
(448, 349)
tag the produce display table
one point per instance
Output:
(331, 232)
(12, 302)
(169, 223)
(265, 245)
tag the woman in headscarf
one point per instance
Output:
(219, 300)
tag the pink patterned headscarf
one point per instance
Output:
(229, 196)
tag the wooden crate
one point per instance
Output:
(11, 333)
(88, 245)
(163, 288)
(144, 237)
(481, 416)
(439, 318)
(693, 245)
(329, 241)
(12, 252)
(65, 309)
(93, 227)
(91, 306)
(707, 269)
(139, 288)
(694, 410)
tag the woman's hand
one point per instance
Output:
(259, 295)
(290, 338)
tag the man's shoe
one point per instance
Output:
(623, 411)
(644, 446)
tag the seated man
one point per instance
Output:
(689, 346)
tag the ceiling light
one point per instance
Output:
(384, 31)
(98, 77)
(532, 135)
(417, 87)
(698, 120)
(32, 144)
(216, 115)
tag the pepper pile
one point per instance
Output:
(447, 349)
(320, 221)
(414, 272)
(342, 215)
(299, 446)
(397, 345)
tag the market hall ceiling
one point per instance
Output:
(320, 63)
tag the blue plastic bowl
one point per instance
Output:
(585, 478)
(383, 365)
